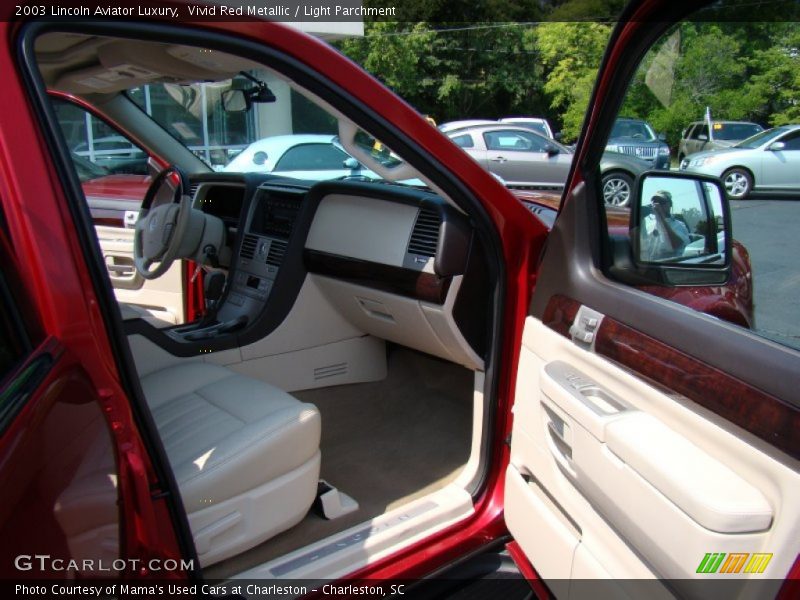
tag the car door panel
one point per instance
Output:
(161, 298)
(780, 169)
(638, 452)
(646, 490)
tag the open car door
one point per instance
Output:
(649, 440)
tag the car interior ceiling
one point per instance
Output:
(357, 360)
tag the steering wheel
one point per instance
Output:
(159, 231)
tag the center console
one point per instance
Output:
(268, 227)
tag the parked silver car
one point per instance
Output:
(697, 137)
(766, 162)
(523, 158)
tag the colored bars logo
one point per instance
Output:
(735, 562)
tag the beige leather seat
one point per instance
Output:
(245, 454)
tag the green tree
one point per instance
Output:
(455, 70)
(571, 53)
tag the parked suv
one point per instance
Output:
(637, 138)
(723, 134)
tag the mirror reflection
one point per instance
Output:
(680, 221)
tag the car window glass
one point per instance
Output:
(792, 141)
(734, 131)
(112, 170)
(537, 143)
(505, 140)
(760, 187)
(312, 157)
(632, 129)
(96, 142)
(760, 139)
(464, 141)
(193, 115)
(700, 130)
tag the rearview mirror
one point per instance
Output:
(679, 231)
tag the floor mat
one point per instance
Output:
(383, 443)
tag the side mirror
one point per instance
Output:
(662, 137)
(235, 101)
(777, 146)
(702, 137)
(679, 232)
(551, 150)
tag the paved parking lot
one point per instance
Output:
(770, 229)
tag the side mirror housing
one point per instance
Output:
(662, 137)
(551, 150)
(777, 146)
(679, 232)
(702, 137)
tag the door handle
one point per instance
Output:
(559, 440)
(120, 268)
(120, 271)
(500, 159)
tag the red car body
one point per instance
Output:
(62, 309)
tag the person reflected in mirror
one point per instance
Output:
(663, 236)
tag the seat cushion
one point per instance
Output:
(224, 433)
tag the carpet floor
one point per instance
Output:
(384, 444)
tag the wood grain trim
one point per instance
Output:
(761, 414)
(427, 287)
(560, 314)
(109, 222)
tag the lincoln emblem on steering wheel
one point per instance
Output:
(175, 230)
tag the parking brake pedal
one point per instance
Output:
(331, 503)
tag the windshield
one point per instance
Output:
(735, 131)
(760, 138)
(193, 114)
(638, 130)
(281, 132)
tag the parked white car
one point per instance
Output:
(537, 124)
(766, 162)
(314, 157)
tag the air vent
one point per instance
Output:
(193, 190)
(249, 244)
(330, 371)
(425, 237)
(277, 249)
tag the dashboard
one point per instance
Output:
(398, 263)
